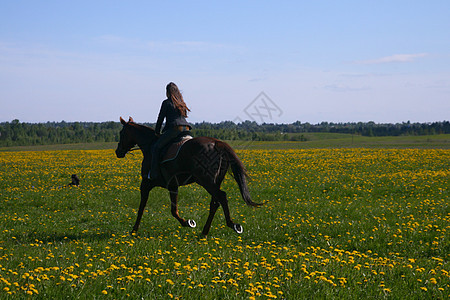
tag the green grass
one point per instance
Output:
(331, 140)
(336, 224)
(314, 140)
(76, 146)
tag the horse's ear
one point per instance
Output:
(130, 120)
(123, 121)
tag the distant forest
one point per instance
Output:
(15, 133)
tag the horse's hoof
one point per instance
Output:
(238, 228)
(191, 223)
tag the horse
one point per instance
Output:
(203, 160)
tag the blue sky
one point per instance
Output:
(335, 61)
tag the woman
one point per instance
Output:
(174, 110)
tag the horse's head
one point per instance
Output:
(132, 134)
(127, 138)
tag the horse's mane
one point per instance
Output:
(142, 127)
(141, 130)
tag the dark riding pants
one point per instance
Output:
(163, 140)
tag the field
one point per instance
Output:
(337, 223)
(314, 141)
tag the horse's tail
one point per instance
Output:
(239, 171)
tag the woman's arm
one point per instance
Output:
(161, 116)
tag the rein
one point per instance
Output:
(133, 149)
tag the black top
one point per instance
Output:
(173, 117)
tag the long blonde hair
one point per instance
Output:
(173, 93)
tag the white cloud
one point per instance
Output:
(195, 46)
(344, 88)
(163, 46)
(393, 59)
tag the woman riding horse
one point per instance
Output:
(203, 160)
(174, 110)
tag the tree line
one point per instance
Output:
(16, 133)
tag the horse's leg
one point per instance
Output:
(174, 209)
(219, 198)
(226, 211)
(214, 205)
(224, 201)
(146, 187)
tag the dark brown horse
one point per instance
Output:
(202, 160)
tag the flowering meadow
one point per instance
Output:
(337, 223)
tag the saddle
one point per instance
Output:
(170, 151)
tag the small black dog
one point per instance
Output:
(75, 180)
